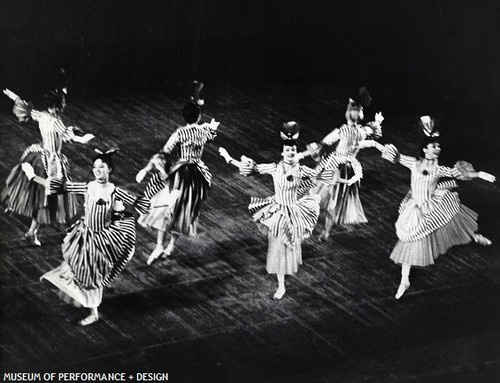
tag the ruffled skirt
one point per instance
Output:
(423, 252)
(28, 199)
(292, 224)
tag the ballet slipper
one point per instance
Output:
(155, 254)
(31, 238)
(279, 294)
(402, 289)
(92, 318)
(482, 240)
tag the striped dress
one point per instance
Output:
(28, 198)
(431, 217)
(289, 216)
(189, 175)
(98, 246)
(341, 201)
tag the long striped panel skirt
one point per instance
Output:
(344, 207)
(28, 199)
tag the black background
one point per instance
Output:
(416, 57)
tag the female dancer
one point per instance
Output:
(28, 198)
(188, 174)
(340, 203)
(288, 217)
(431, 217)
(98, 246)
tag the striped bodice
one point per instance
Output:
(52, 130)
(350, 137)
(98, 209)
(287, 180)
(190, 140)
(424, 180)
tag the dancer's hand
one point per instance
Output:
(81, 139)
(10, 94)
(351, 181)
(140, 176)
(379, 118)
(213, 124)
(28, 170)
(487, 176)
(87, 137)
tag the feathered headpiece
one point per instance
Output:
(196, 87)
(429, 126)
(290, 131)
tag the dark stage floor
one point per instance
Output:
(206, 314)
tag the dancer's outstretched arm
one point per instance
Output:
(484, 176)
(10, 94)
(157, 162)
(230, 160)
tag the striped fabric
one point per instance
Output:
(191, 140)
(430, 204)
(284, 215)
(348, 137)
(341, 201)
(28, 198)
(52, 129)
(98, 246)
(189, 175)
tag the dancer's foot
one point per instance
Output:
(168, 250)
(482, 240)
(279, 293)
(402, 289)
(92, 318)
(157, 252)
(31, 238)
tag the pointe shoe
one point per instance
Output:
(31, 238)
(482, 240)
(168, 250)
(279, 294)
(92, 318)
(155, 254)
(402, 289)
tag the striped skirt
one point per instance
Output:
(28, 199)
(183, 218)
(344, 206)
(423, 252)
(93, 259)
(291, 224)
